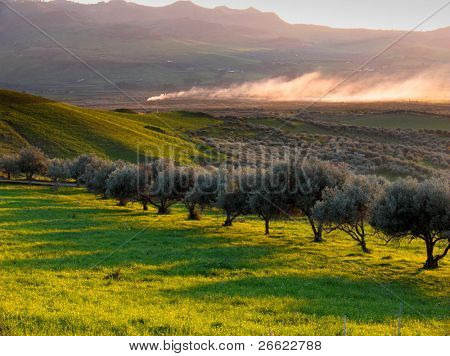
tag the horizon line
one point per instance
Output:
(137, 2)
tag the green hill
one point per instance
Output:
(63, 130)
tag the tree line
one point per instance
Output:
(328, 195)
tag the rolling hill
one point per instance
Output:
(64, 130)
(391, 143)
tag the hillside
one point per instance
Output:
(392, 143)
(156, 49)
(65, 131)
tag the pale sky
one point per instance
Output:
(375, 14)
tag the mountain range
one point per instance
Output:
(153, 49)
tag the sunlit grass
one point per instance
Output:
(197, 278)
(64, 130)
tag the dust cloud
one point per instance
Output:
(362, 87)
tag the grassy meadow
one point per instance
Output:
(64, 130)
(401, 121)
(74, 264)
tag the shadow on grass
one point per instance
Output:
(171, 252)
(59, 236)
(364, 299)
(52, 234)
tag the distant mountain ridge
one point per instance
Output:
(183, 44)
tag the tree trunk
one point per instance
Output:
(364, 246)
(267, 222)
(317, 231)
(228, 221)
(9, 175)
(431, 262)
(318, 234)
(193, 214)
(145, 205)
(163, 210)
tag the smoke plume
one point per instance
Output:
(364, 87)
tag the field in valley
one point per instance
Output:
(75, 264)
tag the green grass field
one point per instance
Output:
(414, 121)
(65, 268)
(401, 121)
(64, 130)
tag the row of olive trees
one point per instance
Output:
(29, 161)
(86, 169)
(328, 195)
(365, 150)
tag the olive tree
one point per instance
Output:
(416, 210)
(268, 199)
(349, 208)
(32, 161)
(305, 183)
(187, 178)
(233, 194)
(122, 184)
(58, 169)
(202, 193)
(79, 165)
(9, 164)
(97, 173)
(168, 184)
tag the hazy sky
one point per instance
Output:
(377, 14)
